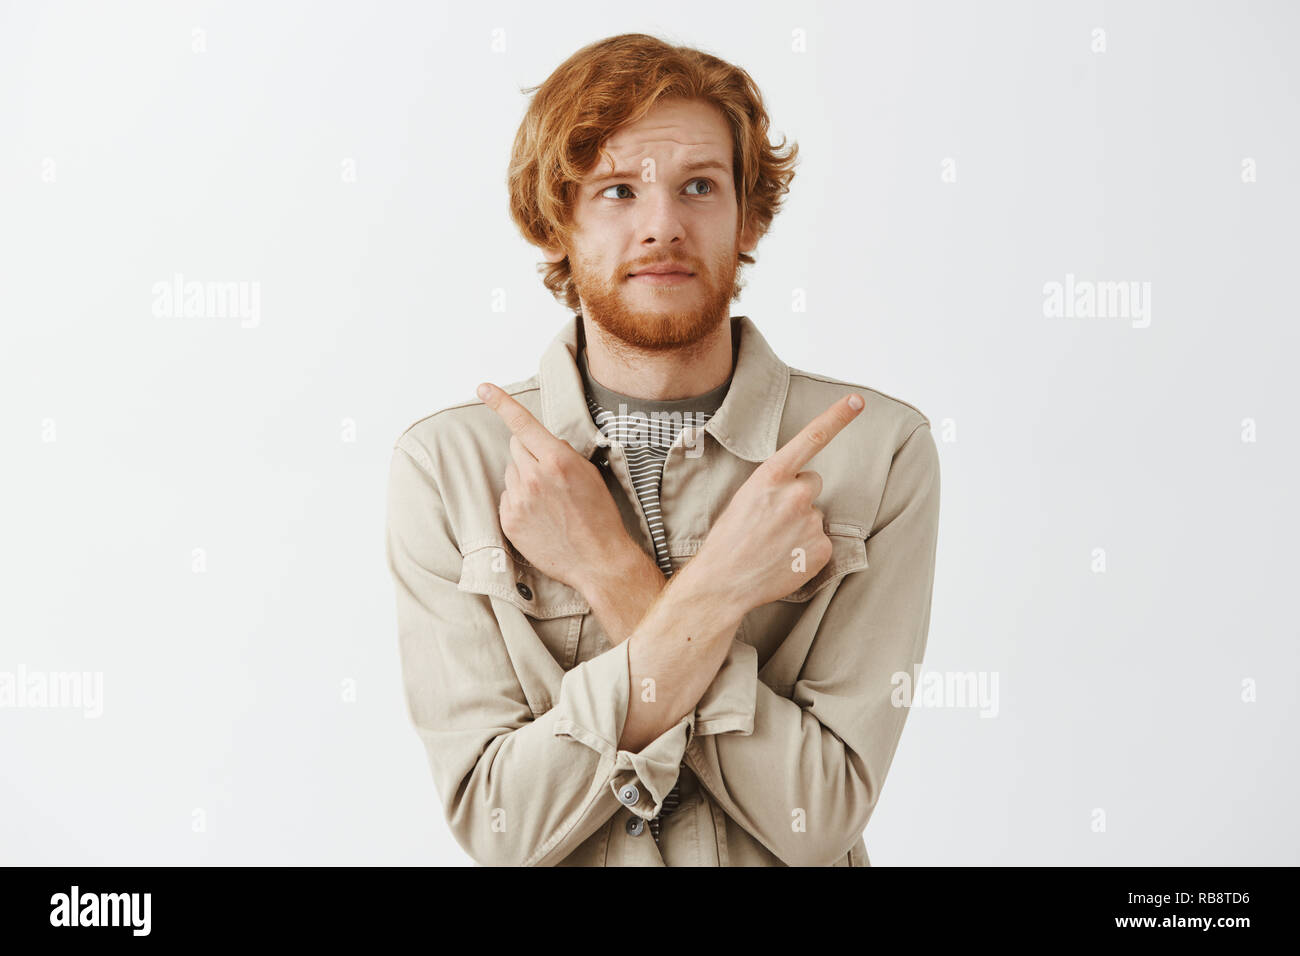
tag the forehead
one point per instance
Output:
(674, 130)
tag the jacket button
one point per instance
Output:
(524, 590)
(629, 795)
(635, 826)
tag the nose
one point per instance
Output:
(661, 222)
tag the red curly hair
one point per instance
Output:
(615, 82)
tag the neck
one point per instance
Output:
(661, 376)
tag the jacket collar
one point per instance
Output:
(746, 423)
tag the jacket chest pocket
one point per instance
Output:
(554, 610)
(848, 554)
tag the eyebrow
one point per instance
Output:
(691, 167)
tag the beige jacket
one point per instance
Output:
(520, 700)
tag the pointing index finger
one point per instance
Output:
(790, 458)
(519, 420)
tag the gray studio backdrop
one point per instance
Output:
(1066, 232)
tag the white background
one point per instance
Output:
(126, 157)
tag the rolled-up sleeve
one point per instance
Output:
(515, 788)
(804, 776)
(592, 709)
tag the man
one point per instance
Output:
(635, 628)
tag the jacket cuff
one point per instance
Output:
(728, 704)
(592, 709)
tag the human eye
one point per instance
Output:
(615, 186)
(709, 182)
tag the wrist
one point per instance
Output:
(698, 582)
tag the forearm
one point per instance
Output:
(674, 652)
(622, 589)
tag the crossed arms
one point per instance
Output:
(515, 788)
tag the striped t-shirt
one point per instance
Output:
(646, 429)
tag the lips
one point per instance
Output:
(663, 270)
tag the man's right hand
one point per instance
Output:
(752, 554)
